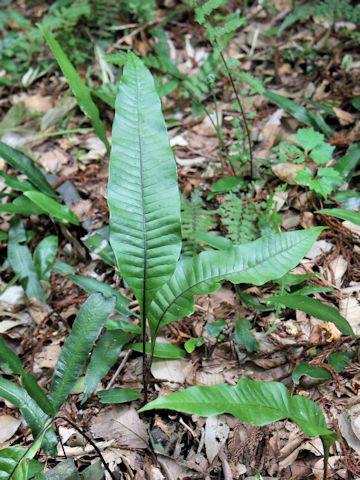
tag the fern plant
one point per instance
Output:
(240, 220)
(145, 235)
(194, 219)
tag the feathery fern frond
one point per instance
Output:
(239, 220)
(194, 219)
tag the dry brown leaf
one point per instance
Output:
(337, 269)
(216, 434)
(47, 357)
(122, 424)
(53, 160)
(350, 309)
(345, 118)
(36, 103)
(319, 247)
(8, 426)
(171, 370)
(287, 171)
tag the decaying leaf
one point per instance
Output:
(8, 426)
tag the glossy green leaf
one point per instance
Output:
(227, 184)
(45, 255)
(21, 262)
(258, 403)
(314, 307)
(104, 356)
(98, 243)
(161, 350)
(10, 457)
(118, 395)
(32, 413)
(257, 262)
(86, 328)
(24, 164)
(21, 206)
(347, 164)
(143, 193)
(92, 285)
(78, 87)
(193, 343)
(348, 215)
(123, 324)
(11, 363)
(15, 184)
(53, 207)
(216, 241)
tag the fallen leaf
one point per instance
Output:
(171, 370)
(350, 309)
(122, 424)
(8, 426)
(345, 118)
(48, 356)
(13, 295)
(216, 434)
(319, 247)
(287, 171)
(53, 160)
(338, 268)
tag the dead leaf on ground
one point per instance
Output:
(52, 160)
(216, 434)
(350, 309)
(8, 426)
(287, 171)
(171, 370)
(122, 424)
(47, 357)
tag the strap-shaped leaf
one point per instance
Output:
(85, 330)
(33, 414)
(25, 165)
(257, 262)
(143, 192)
(259, 403)
(314, 307)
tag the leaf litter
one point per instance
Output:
(188, 446)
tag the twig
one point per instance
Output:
(118, 370)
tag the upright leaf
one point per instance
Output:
(78, 87)
(21, 262)
(257, 262)
(25, 165)
(44, 256)
(259, 403)
(143, 192)
(73, 357)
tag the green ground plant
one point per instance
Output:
(145, 236)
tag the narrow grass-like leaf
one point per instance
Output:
(86, 328)
(25, 165)
(45, 255)
(53, 207)
(143, 194)
(258, 403)
(118, 395)
(92, 285)
(21, 206)
(21, 262)
(314, 307)
(257, 262)
(78, 87)
(33, 414)
(104, 356)
(348, 215)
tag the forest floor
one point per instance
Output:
(315, 63)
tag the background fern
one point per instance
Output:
(194, 219)
(240, 220)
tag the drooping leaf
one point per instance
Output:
(104, 356)
(32, 413)
(53, 207)
(21, 206)
(9, 361)
(161, 350)
(85, 330)
(44, 256)
(118, 395)
(143, 194)
(78, 87)
(348, 215)
(21, 261)
(25, 165)
(258, 403)
(314, 307)
(257, 262)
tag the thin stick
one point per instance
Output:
(118, 370)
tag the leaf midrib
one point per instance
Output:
(206, 280)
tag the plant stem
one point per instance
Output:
(242, 112)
